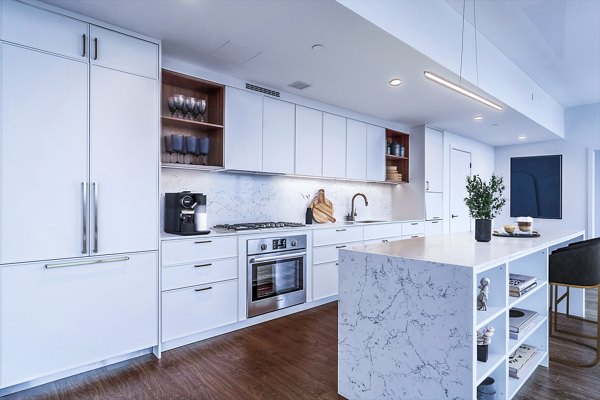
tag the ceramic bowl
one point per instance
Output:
(509, 228)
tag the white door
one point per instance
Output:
(460, 168)
(309, 141)
(278, 136)
(375, 153)
(434, 157)
(334, 146)
(56, 318)
(356, 150)
(43, 163)
(123, 162)
(243, 130)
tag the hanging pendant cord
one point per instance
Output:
(462, 42)
(476, 59)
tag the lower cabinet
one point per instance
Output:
(199, 308)
(325, 280)
(58, 316)
(434, 227)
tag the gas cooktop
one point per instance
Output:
(257, 225)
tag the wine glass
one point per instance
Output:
(204, 146)
(201, 108)
(190, 104)
(171, 104)
(178, 144)
(179, 101)
(168, 148)
(191, 145)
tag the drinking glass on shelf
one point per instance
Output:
(204, 147)
(179, 102)
(178, 144)
(171, 104)
(191, 145)
(201, 108)
(190, 104)
(168, 149)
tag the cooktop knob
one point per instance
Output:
(293, 243)
(263, 246)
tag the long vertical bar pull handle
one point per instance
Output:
(84, 37)
(95, 48)
(84, 216)
(95, 187)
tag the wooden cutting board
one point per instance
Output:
(322, 208)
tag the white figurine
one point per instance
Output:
(485, 337)
(484, 292)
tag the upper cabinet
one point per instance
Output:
(309, 141)
(244, 130)
(334, 146)
(434, 156)
(278, 136)
(356, 154)
(375, 153)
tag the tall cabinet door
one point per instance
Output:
(434, 157)
(278, 136)
(375, 153)
(334, 146)
(123, 162)
(309, 141)
(356, 152)
(243, 130)
(43, 162)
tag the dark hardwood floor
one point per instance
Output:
(289, 358)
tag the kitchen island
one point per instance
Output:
(408, 318)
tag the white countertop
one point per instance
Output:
(462, 249)
(218, 233)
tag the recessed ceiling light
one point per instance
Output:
(395, 82)
(318, 47)
(522, 137)
(478, 117)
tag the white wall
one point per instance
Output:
(597, 194)
(482, 160)
(582, 132)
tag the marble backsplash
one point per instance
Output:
(234, 197)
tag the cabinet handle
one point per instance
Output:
(337, 263)
(88, 262)
(435, 218)
(340, 230)
(203, 241)
(203, 289)
(426, 185)
(202, 265)
(95, 48)
(384, 241)
(84, 215)
(340, 247)
(454, 216)
(83, 39)
(95, 188)
(414, 223)
(435, 222)
(414, 236)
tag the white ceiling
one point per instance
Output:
(270, 44)
(555, 42)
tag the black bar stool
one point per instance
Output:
(574, 266)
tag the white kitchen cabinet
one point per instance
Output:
(334, 146)
(337, 235)
(43, 155)
(324, 254)
(434, 227)
(278, 136)
(33, 27)
(413, 228)
(375, 153)
(56, 318)
(434, 205)
(174, 277)
(434, 157)
(125, 53)
(380, 231)
(356, 153)
(188, 251)
(243, 130)
(325, 280)
(123, 162)
(309, 141)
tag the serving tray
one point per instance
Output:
(516, 234)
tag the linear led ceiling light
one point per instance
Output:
(461, 90)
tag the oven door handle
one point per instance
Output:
(277, 258)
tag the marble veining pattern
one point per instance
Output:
(405, 328)
(236, 197)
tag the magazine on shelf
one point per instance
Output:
(519, 293)
(520, 319)
(519, 359)
(519, 282)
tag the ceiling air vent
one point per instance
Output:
(270, 92)
(299, 85)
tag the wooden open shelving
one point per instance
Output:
(400, 162)
(211, 127)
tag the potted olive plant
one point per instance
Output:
(484, 200)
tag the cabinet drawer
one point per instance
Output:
(434, 228)
(198, 249)
(198, 274)
(326, 254)
(197, 309)
(325, 280)
(44, 30)
(382, 231)
(324, 237)
(413, 228)
(434, 206)
(123, 52)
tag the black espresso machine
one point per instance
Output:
(185, 213)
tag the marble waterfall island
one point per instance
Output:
(408, 318)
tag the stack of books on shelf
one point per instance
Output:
(519, 360)
(521, 284)
(520, 322)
